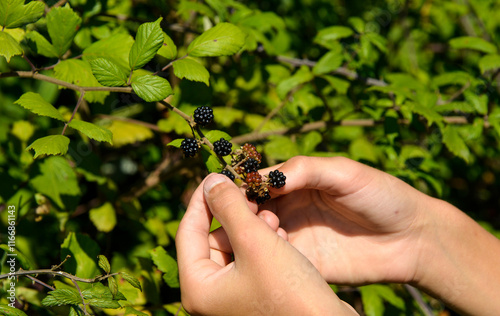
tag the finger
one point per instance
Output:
(192, 235)
(229, 206)
(282, 233)
(335, 175)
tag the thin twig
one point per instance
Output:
(41, 282)
(80, 99)
(417, 296)
(83, 298)
(58, 273)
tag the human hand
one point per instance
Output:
(356, 224)
(267, 276)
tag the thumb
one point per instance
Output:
(228, 205)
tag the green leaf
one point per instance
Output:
(281, 148)
(79, 72)
(41, 45)
(113, 287)
(302, 75)
(93, 131)
(167, 265)
(128, 133)
(222, 40)
(362, 149)
(35, 103)
(103, 303)
(131, 280)
(379, 41)
(21, 259)
(64, 297)
(357, 23)
(62, 24)
(104, 263)
(56, 178)
(176, 143)
(108, 73)
(474, 43)
(115, 48)
(429, 114)
(455, 143)
(132, 311)
(328, 63)
(9, 46)
(103, 217)
(489, 62)
(151, 88)
(50, 145)
(479, 102)
(373, 297)
(6, 310)
(148, 40)
(215, 135)
(168, 48)
(83, 251)
(211, 161)
(191, 70)
(329, 36)
(452, 78)
(13, 13)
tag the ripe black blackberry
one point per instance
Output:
(222, 147)
(263, 197)
(203, 115)
(190, 147)
(228, 174)
(276, 179)
(251, 165)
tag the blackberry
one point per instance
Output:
(263, 197)
(228, 174)
(276, 179)
(251, 165)
(190, 147)
(222, 147)
(203, 115)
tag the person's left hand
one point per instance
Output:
(268, 276)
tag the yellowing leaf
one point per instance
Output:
(104, 218)
(125, 133)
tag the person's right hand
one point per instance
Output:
(356, 224)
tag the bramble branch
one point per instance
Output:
(58, 273)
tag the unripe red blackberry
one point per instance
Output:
(190, 147)
(253, 179)
(222, 147)
(203, 115)
(251, 165)
(276, 179)
(228, 174)
(251, 152)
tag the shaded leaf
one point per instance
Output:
(151, 88)
(191, 70)
(103, 263)
(62, 24)
(475, 43)
(50, 145)
(167, 265)
(93, 131)
(9, 47)
(489, 62)
(131, 280)
(108, 73)
(455, 143)
(221, 40)
(168, 48)
(479, 102)
(41, 45)
(148, 40)
(21, 259)
(128, 133)
(57, 178)
(35, 103)
(83, 251)
(103, 217)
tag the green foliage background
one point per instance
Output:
(410, 87)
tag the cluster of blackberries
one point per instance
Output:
(245, 161)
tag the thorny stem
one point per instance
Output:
(59, 273)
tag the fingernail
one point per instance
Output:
(212, 180)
